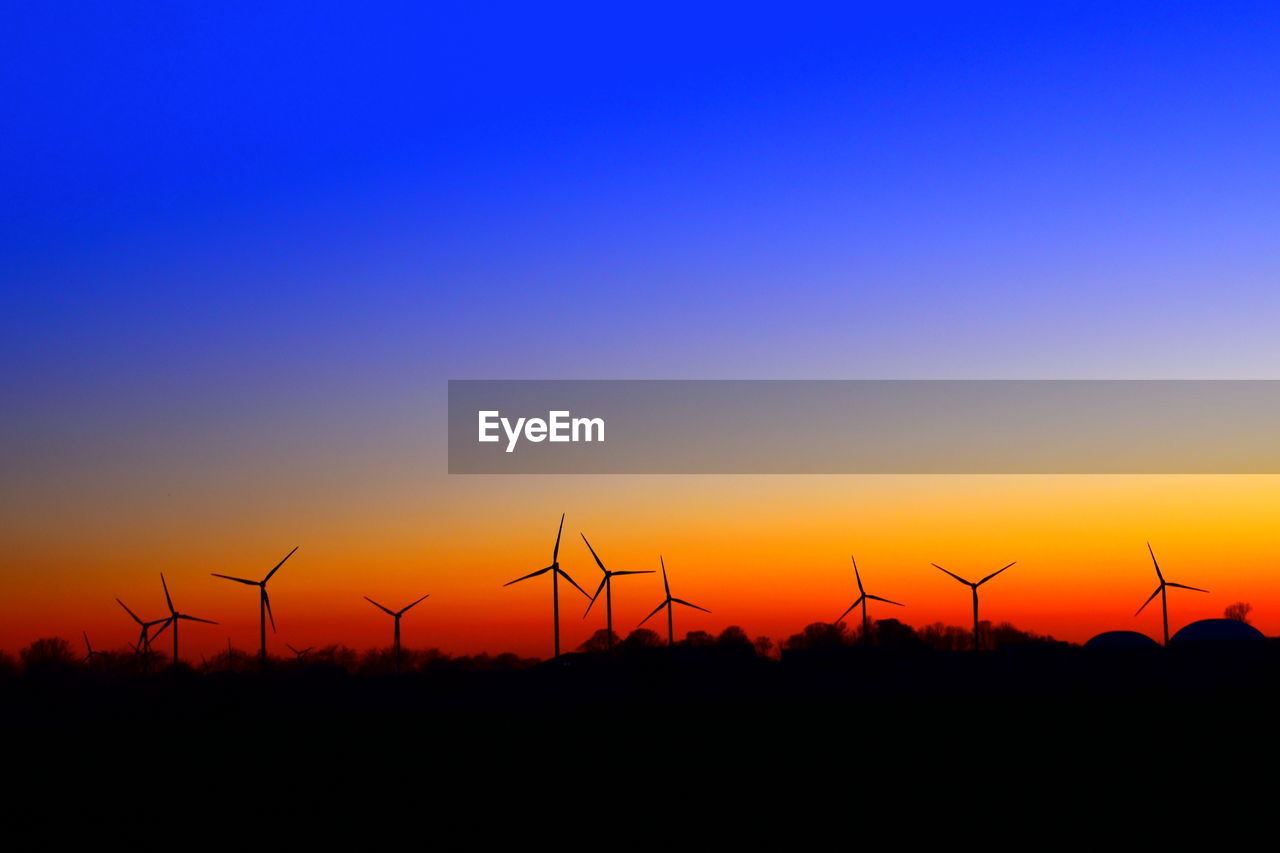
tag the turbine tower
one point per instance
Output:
(1160, 591)
(863, 595)
(175, 617)
(606, 584)
(264, 603)
(669, 602)
(394, 614)
(143, 646)
(974, 588)
(556, 574)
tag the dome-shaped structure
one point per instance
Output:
(1121, 640)
(1217, 631)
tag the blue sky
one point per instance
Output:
(243, 208)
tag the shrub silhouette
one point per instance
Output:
(733, 636)
(230, 660)
(49, 655)
(337, 657)
(1006, 634)
(698, 638)
(1239, 611)
(818, 635)
(599, 641)
(643, 638)
(945, 638)
(894, 634)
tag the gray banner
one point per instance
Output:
(864, 427)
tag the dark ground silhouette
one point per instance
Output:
(709, 725)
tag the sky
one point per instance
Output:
(242, 250)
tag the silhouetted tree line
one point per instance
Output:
(53, 655)
(895, 634)
(643, 638)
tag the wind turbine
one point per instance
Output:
(606, 584)
(556, 574)
(264, 603)
(90, 654)
(395, 614)
(299, 653)
(974, 588)
(143, 646)
(175, 617)
(863, 595)
(1160, 591)
(670, 603)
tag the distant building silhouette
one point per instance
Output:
(1217, 631)
(1121, 640)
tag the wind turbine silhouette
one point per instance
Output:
(143, 646)
(670, 603)
(974, 588)
(863, 595)
(556, 574)
(394, 614)
(175, 617)
(90, 654)
(1164, 598)
(606, 584)
(299, 653)
(264, 603)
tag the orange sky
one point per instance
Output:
(768, 553)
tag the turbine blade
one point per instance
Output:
(1149, 600)
(530, 575)
(690, 604)
(164, 623)
(167, 599)
(555, 555)
(593, 553)
(237, 580)
(604, 580)
(856, 575)
(415, 604)
(130, 612)
(665, 584)
(846, 612)
(655, 612)
(266, 599)
(279, 564)
(291, 648)
(1184, 586)
(1159, 574)
(565, 575)
(953, 574)
(993, 574)
(383, 609)
(195, 619)
(885, 600)
(631, 572)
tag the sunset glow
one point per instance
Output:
(244, 255)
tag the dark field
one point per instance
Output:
(870, 728)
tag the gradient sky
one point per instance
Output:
(242, 250)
